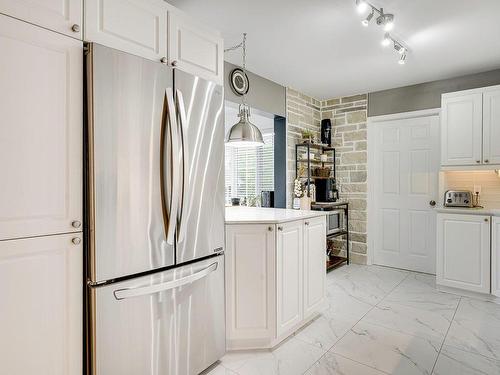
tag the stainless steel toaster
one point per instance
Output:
(458, 198)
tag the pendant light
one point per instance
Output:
(244, 133)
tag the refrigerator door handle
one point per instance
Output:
(121, 294)
(174, 199)
(181, 109)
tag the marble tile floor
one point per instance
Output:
(381, 320)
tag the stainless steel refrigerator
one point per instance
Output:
(155, 217)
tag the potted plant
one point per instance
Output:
(307, 135)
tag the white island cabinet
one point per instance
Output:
(275, 274)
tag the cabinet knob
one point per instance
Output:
(432, 203)
(174, 63)
(270, 229)
(486, 161)
(280, 228)
(306, 223)
(75, 28)
(164, 60)
(76, 224)
(486, 219)
(76, 241)
(478, 161)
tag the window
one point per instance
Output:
(249, 170)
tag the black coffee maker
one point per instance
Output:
(326, 190)
(326, 132)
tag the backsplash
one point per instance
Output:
(465, 180)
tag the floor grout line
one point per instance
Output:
(445, 336)
(340, 338)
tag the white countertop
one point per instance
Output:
(469, 211)
(258, 215)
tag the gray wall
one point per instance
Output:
(425, 95)
(263, 94)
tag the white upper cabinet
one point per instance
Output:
(491, 126)
(63, 16)
(41, 131)
(463, 252)
(461, 129)
(314, 264)
(195, 49)
(470, 127)
(156, 30)
(138, 27)
(41, 296)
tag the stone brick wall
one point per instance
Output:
(302, 112)
(348, 115)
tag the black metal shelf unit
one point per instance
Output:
(335, 260)
(307, 147)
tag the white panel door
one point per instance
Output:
(41, 298)
(461, 129)
(195, 49)
(41, 100)
(289, 253)
(314, 264)
(491, 126)
(138, 27)
(405, 181)
(495, 256)
(250, 283)
(463, 252)
(63, 16)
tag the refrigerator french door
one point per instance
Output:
(155, 215)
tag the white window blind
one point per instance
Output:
(249, 170)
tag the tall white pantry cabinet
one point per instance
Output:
(41, 253)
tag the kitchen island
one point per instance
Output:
(275, 273)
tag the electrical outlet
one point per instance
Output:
(477, 189)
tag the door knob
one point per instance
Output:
(432, 203)
(174, 62)
(75, 28)
(76, 224)
(76, 240)
(164, 60)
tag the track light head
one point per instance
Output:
(361, 5)
(387, 40)
(399, 48)
(386, 20)
(366, 21)
(402, 59)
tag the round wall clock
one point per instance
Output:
(239, 82)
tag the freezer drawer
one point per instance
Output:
(168, 323)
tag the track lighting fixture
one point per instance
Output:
(366, 21)
(386, 20)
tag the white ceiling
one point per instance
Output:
(320, 47)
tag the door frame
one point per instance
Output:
(370, 124)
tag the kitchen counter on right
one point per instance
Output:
(469, 211)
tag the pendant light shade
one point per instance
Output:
(244, 133)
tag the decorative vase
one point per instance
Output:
(305, 203)
(296, 203)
